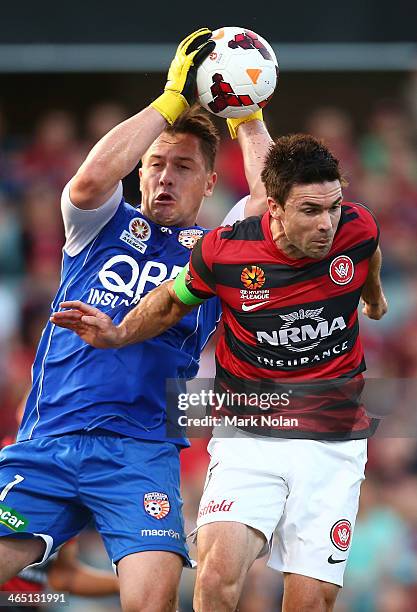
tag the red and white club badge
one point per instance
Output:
(189, 237)
(341, 270)
(156, 504)
(340, 534)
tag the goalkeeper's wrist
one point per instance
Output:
(233, 124)
(170, 105)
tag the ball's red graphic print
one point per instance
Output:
(249, 40)
(156, 504)
(224, 96)
(265, 102)
(341, 533)
(140, 228)
(341, 270)
(253, 277)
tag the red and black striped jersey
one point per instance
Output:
(287, 319)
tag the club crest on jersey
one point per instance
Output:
(156, 504)
(252, 277)
(340, 534)
(341, 270)
(189, 237)
(139, 232)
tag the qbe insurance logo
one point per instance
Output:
(123, 281)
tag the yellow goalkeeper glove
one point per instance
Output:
(180, 89)
(233, 124)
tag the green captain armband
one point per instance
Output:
(182, 292)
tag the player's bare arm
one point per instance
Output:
(255, 141)
(114, 157)
(159, 310)
(375, 303)
(119, 151)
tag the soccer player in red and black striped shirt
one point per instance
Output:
(290, 283)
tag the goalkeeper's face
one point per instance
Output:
(174, 179)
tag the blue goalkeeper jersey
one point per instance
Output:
(77, 387)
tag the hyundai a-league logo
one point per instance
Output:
(252, 277)
(340, 534)
(341, 270)
(156, 504)
(140, 228)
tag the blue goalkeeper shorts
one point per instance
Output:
(54, 486)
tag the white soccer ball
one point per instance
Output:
(240, 74)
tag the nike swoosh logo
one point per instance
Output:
(247, 307)
(331, 560)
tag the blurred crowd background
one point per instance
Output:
(375, 139)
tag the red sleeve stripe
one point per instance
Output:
(200, 267)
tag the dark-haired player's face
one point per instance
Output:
(309, 218)
(174, 180)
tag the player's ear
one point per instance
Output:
(140, 178)
(210, 184)
(275, 209)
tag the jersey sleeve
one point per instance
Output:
(82, 226)
(237, 213)
(369, 227)
(201, 279)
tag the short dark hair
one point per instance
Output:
(197, 122)
(296, 160)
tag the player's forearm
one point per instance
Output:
(255, 141)
(156, 312)
(119, 151)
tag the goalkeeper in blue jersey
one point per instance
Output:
(92, 444)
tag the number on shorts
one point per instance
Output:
(11, 484)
